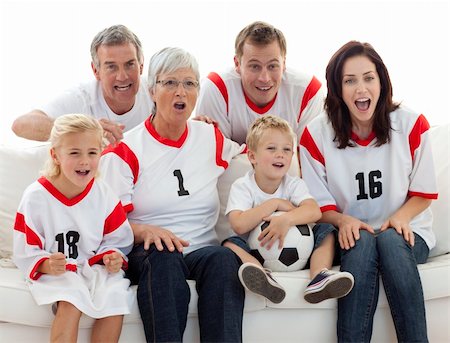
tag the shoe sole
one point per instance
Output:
(255, 280)
(332, 290)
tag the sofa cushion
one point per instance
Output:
(18, 169)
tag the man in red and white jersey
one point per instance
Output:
(259, 84)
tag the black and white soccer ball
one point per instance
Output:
(298, 245)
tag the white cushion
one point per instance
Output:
(440, 139)
(18, 169)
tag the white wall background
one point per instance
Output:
(45, 44)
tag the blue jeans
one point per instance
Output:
(389, 255)
(163, 294)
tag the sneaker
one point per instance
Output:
(259, 281)
(328, 284)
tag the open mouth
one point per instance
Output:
(122, 88)
(278, 165)
(180, 105)
(264, 89)
(82, 172)
(363, 104)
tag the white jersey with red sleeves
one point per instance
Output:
(246, 194)
(171, 184)
(84, 228)
(368, 182)
(222, 98)
(88, 98)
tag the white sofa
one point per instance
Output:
(21, 320)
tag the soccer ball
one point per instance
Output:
(298, 245)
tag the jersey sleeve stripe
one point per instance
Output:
(310, 92)
(115, 219)
(99, 259)
(34, 274)
(308, 142)
(415, 136)
(217, 80)
(432, 196)
(127, 155)
(21, 225)
(219, 149)
(128, 208)
(328, 208)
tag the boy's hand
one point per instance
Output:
(113, 262)
(276, 230)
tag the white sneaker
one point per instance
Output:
(258, 280)
(328, 284)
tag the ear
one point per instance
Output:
(141, 68)
(95, 71)
(237, 65)
(284, 64)
(152, 94)
(54, 156)
(251, 156)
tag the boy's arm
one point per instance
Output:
(245, 221)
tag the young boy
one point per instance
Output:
(268, 188)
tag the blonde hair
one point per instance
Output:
(264, 123)
(70, 123)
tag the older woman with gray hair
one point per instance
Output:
(165, 172)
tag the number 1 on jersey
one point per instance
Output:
(181, 190)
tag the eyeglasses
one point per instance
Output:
(171, 84)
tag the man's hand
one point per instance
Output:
(113, 131)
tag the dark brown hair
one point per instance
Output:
(338, 112)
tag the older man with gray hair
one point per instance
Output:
(117, 97)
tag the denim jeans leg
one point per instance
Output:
(356, 310)
(220, 294)
(163, 294)
(401, 280)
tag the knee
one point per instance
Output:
(224, 259)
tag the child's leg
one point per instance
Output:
(65, 325)
(243, 255)
(252, 274)
(322, 256)
(107, 329)
(325, 283)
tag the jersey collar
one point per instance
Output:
(363, 142)
(176, 144)
(256, 108)
(61, 197)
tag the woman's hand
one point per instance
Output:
(276, 230)
(150, 234)
(206, 119)
(401, 225)
(349, 230)
(113, 262)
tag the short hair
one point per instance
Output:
(259, 33)
(338, 112)
(264, 123)
(70, 123)
(115, 35)
(168, 60)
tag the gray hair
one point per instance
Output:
(115, 35)
(169, 60)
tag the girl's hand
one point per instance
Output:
(400, 225)
(276, 230)
(113, 262)
(56, 264)
(349, 231)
